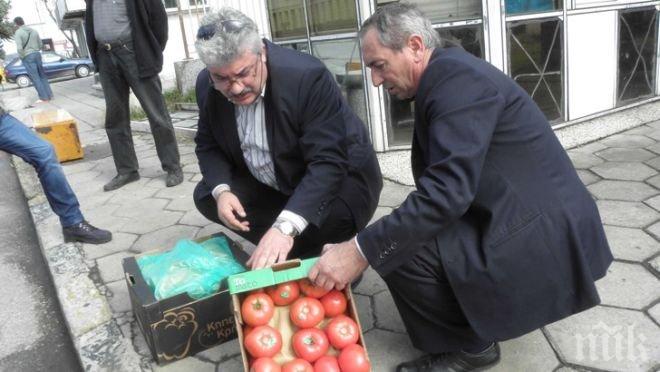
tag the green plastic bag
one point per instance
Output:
(195, 268)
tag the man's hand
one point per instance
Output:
(273, 248)
(228, 207)
(338, 266)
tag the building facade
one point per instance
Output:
(576, 58)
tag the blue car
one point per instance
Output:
(55, 66)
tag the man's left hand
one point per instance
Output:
(273, 248)
(338, 266)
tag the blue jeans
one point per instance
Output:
(17, 139)
(35, 70)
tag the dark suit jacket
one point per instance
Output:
(320, 148)
(519, 236)
(149, 30)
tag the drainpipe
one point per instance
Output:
(183, 29)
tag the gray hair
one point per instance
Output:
(224, 35)
(396, 22)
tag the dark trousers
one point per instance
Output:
(119, 72)
(263, 204)
(427, 304)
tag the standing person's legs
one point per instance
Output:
(18, 139)
(117, 113)
(43, 77)
(150, 94)
(31, 66)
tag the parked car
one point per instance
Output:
(55, 66)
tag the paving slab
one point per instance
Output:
(624, 171)
(583, 159)
(623, 154)
(631, 244)
(622, 190)
(531, 352)
(626, 214)
(587, 177)
(118, 296)
(120, 242)
(606, 338)
(187, 364)
(386, 314)
(110, 267)
(630, 141)
(164, 238)
(393, 194)
(628, 285)
(387, 349)
(654, 313)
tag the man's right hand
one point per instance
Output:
(228, 208)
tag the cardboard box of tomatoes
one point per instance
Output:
(287, 324)
(179, 326)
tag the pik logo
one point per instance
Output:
(616, 343)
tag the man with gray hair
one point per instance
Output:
(500, 237)
(284, 160)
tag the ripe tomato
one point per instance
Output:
(297, 365)
(306, 312)
(310, 290)
(310, 344)
(246, 330)
(265, 365)
(263, 341)
(353, 359)
(257, 309)
(342, 331)
(283, 294)
(334, 303)
(326, 363)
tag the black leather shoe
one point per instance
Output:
(453, 362)
(120, 180)
(174, 178)
(86, 233)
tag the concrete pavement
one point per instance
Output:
(622, 171)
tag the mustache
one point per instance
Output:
(245, 91)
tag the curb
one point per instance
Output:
(96, 335)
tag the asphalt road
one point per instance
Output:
(33, 336)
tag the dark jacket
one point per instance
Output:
(519, 235)
(149, 31)
(320, 148)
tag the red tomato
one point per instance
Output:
(257, 309)
(297, 365)
(306, 312)
(326, 363)
(353, 359)
(283, 294)
(263, 341)
(334, 303)
(265, 365)
(310, 290)
(342, 331)
(310, 344)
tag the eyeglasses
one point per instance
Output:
(206, 32)
(225, 82)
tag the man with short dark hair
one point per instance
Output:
(28, 46)
(285, 161)
(500, 236)
(126, 39)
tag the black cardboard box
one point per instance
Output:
(179, 326)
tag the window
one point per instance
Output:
(331, 16)
(400, 113)
(169, 3)
(287, 19)
(535, 62)
(532, 6)
(445, 10)
(342, 58)
(637, 46)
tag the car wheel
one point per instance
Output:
(23, 81)
(82, 71)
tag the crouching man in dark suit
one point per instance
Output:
(284, 160)
(500, 237)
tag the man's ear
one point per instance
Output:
(416, 45)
